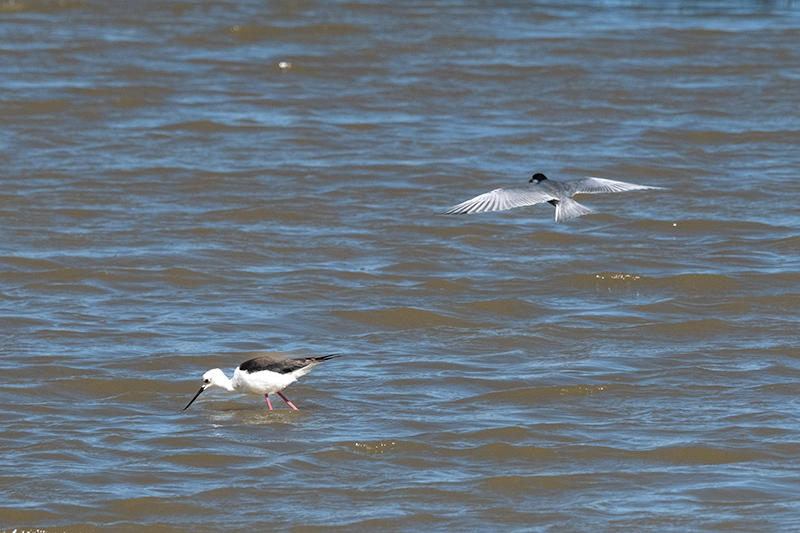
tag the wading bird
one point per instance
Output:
(268, 374)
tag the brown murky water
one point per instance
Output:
(173, 200)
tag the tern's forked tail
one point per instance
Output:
(568, 208)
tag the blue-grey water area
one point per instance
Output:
(186, 184)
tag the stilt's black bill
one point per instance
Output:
(195, 397)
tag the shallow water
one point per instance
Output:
(172, 200)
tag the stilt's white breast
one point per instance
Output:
(261, 382)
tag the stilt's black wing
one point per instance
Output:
(280, 365)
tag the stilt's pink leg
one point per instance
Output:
(268, 402)
(287, 401)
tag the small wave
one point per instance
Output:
(449, 286)
(699, 455)
(42, 6)
(21, 108)
(206, 126)
(692, 283)
(717, 137)
(283, 33)
(695, 328)
(187, 277)
(503, 451)
(513, 307)
(126, 96)
(404, 318)
(533, 395)
(28, 263)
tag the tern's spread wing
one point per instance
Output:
(598, 185)
(500, 200)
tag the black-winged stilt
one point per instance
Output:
(540, 190)
(268, 374)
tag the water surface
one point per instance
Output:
(173, 200)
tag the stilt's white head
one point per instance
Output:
(213, 378)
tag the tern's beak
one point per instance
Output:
(195, 397)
